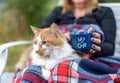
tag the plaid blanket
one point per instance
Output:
(74, 71)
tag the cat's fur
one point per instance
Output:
(24, 58)
(50, 48)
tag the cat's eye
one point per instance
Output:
(35, 42)
(43, 42)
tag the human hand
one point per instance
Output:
(67, 35)
(96, 39)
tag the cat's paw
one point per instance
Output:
(19, 66)
(45, 73)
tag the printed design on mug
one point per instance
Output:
(81, 42)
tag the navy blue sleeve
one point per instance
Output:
(53, 17)
(108, 26)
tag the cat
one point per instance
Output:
(50, 47)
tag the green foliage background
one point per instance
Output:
(34, 10)
(15, 18)
(104, 1)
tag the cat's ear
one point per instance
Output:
(54, 28)
(34, 29)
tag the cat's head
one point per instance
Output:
(45, 40)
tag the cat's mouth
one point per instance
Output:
(47, 56)
(43, 54)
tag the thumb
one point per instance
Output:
(91, 29)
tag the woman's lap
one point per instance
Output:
(67, 71)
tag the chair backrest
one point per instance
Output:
(116, 10)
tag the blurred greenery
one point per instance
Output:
(106, 1)
(15, 18)
(34, 10)
(14, 54)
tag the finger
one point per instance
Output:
(91, 29)
(81, 30)
(96, 48)
(96, 40)
(97, 35)
(92, 51)
(67, 36)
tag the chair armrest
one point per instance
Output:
(4, 52)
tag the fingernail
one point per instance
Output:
(93, 46)
(91, 51)
(92, 39)
(94, 34)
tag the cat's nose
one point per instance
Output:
(40, 45)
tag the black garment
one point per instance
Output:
(103, 17)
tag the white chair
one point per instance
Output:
(4, 52)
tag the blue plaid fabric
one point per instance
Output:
(75, 71)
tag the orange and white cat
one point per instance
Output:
(50, 47)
